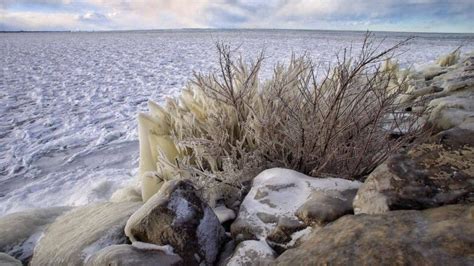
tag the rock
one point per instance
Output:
(448, 92)
(284, 229)
(440, 236)
(129, 255)
(278, 193)
(285, 235)
(7, 260)
(129, 193)
(19, 232)
(226, 253)
(251, 252)
(78, 234)
(451, 111)
(177, 216)
(326, 206)
(224, 214)
(437, 172)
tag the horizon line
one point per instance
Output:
(256, 29)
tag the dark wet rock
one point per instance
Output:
(178, 217)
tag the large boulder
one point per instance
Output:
(437, 172)
(178, 217)
(438, 236)
(278, 193)
(125, 255)
(19, 232)
(76, 235)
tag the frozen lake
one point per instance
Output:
(68, 101)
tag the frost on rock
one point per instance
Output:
(113, 236)
(138, 253)
(251, 252)
(79, 233)
(20, 232)
(278, 193)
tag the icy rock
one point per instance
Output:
(449, 59)
(436, 172)
(433, 71)
(252, 252)
(224, 214)
(131, 255)
(7, 260)
(439, 236)
(281, 238)
(278, 193)
(19, 232)
(177, 216)
(129, 193)
(450, 95)
(326, 206)
(76, 235)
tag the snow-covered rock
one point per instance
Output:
(73, 237)
(448, 90)
(178, 217)
(133, 255)
(278, 193)
(251, 252)
(19, 232)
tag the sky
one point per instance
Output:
(374, 15)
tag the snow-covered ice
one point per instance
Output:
(68, 101)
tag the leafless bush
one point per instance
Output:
(342, 120)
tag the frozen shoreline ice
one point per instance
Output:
(68, 101)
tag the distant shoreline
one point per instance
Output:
(228, 29)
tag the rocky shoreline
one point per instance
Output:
(417, 207)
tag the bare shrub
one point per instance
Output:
(342, 120)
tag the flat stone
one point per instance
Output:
(439, 236)
(437, 172)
